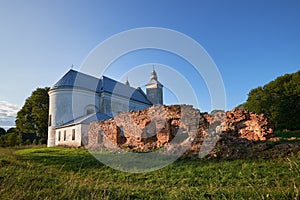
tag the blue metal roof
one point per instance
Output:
(114, 87)
(75, 79)
(86, 119)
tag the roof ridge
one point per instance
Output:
(75, 79)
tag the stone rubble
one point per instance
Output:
(182, 129)
(147, 129)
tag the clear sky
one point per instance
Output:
(251, 41)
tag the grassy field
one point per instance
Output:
(288, 134)
(66, 173)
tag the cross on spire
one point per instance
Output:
(153, 74)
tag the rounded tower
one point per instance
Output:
(73, 96)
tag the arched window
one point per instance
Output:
(90, 109)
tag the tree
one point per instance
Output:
(13, 139)
(279, 100)
(11, 130)
(2, 137)
(2, 141)
(33, 116)
(2, 131)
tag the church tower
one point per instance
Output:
(154, 90)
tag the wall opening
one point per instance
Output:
(100, 137)
(73, 134)
(49, 120)
(84, 138)
(122, 131)
(58, 135)
(89, 111)
(65, 135)
(121, 139)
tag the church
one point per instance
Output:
(78, 99)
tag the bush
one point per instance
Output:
(42, 141)
(27, 142)
(278, 100)
(35, 142)
(13, 139)
(3, 141)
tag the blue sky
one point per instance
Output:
(251, 42)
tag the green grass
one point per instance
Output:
(288, 134)
(67, 173)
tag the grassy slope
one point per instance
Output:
(65, 173)
(288, 134)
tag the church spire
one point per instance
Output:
(153, 75)
(154, 89)
(127, 82)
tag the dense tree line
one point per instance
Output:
(31, 121)
(2, 131)
(9, 137)
(279, 100)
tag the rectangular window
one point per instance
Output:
(73, 134)
(65, 135)
(58, 135)
(49, 120)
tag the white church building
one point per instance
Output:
(78, 99)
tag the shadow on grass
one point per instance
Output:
(72, 159)
(68, 159)
(288, 134)
(245, 150)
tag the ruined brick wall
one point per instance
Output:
(248, 125)
(240, 126)
(243, 124)
(102, 134)
(157, 126)
(146, 129)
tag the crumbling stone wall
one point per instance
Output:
(227, 130)
(157, 126)
(243, 124)
(97, 136)
(146, 129)
(248, 125)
